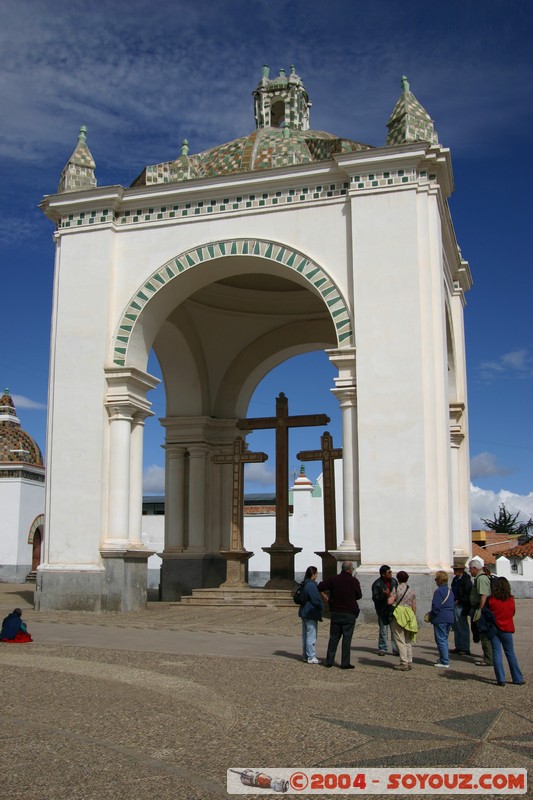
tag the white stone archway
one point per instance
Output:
(267, 302)
(224, 262)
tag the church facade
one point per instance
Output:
(22, 476)
(225, 263)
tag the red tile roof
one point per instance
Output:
(521, 551)
(486, 555)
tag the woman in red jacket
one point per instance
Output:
(501, 603)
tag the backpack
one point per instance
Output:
(298, 595)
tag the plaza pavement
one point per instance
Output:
(160, 703)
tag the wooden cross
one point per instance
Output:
(327, 454)
(238, 458)
(282, 422)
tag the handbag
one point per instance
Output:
(429, 615)
(388, 614)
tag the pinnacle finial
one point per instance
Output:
(293, 69)
(185, 147)
(282, 73)
(266, 71)
(82, 136)
(404, 83)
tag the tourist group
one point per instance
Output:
(478, 606)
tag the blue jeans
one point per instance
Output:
(505, 639)
(461, 630)
(441, 632)
(309, 633)
(341, 625)
(382, 638)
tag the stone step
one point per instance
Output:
(270, 598)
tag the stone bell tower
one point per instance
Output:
(281, 102)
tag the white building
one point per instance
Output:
(225, 263)
(21, 497)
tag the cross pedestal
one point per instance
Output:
(236, 568)
(281, 566)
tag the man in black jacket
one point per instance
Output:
(382, 588)
(343, 590)
(461, 588)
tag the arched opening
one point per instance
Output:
(216, 332)
(277, 114)
(36, 549)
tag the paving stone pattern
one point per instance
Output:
(197, 691)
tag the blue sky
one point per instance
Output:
(144, 75)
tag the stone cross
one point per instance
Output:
(237, 557)
(327, 454)
(282, 551)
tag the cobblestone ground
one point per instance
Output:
(102, 723)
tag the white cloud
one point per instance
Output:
(154, 480)
(25, 402)
(259, 474)
(515, 364)
(485, 464)
(484, 503)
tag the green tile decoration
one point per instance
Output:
(269, 250)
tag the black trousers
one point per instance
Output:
(342, 624)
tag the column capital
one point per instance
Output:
(456, 438)
(346, 395)
(128, 385)
(175, 450)
(457, 435)
(120, 411)
(344, 359)
(197, 450)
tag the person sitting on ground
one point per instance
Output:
(403, 622)
(14, 630)
(311, 614)
(441, 617)
(382, 588)
(502, 605)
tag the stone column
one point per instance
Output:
(136, 479)
(461, 533)
(197, 497)
(175, 498)
(120, 419)
(350, 469)
(346, 392)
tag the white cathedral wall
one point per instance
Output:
(21, 502)
(401, 381)
(10, 505)
(77, 420)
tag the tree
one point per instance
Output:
(506, 522)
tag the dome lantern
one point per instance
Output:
(281, 101)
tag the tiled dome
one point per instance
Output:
(264, 148)
(16, 446)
